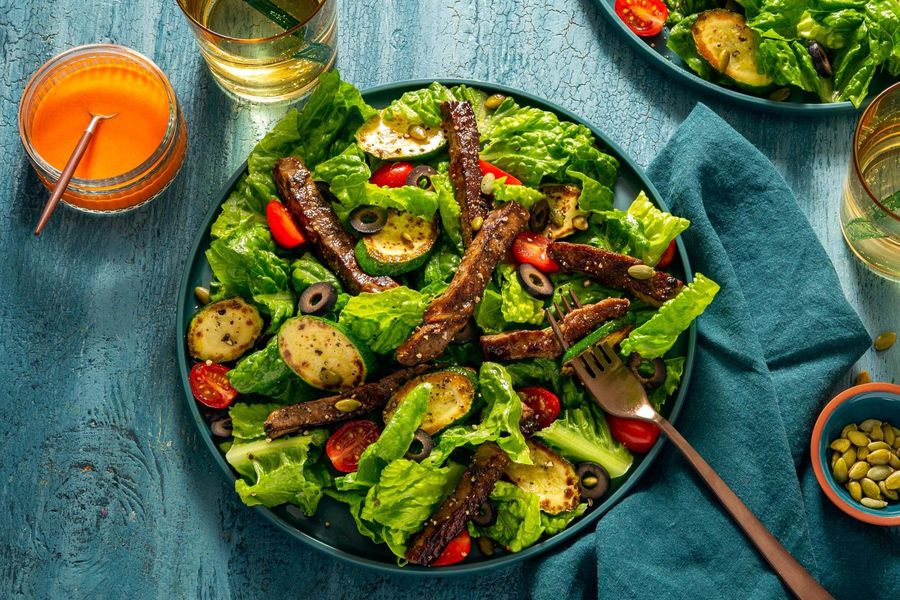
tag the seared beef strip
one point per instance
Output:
(541, 343)
(611, 270)
(322, 228)
(448, 313)
(474, 487)
(320, 412)
(465, 172)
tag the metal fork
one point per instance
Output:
(618, 392)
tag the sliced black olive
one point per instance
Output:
(593, 480)
(368, 219)
(420, 447)
(317, 299)
(466, 334)
(486, 515)
(820, 59)
(651, 377)
(221, 427)
(420, 177)
(535, 283)
(540, 216)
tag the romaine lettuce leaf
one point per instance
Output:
(522, 194)
(518, 522)
(656, 336)
(659, 228)
(266, 374)
(789, 63)
(441, 265)
(385, 319)
(248, 420)
(449, 209)
(517, 305)
(419, 107)
(581, 434)
(307, 270)
(476, 98)
(488, 315)
(553, 524)
(681, 42)
(674, 371)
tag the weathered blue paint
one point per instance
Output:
(106, 489)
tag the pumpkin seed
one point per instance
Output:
(417, 132)
(840, 471)
(847, 429)
(641, 272)
(879, 472)
(841, 445)
(580, 223)
(850, 455)
(834, 458)
(888, 432)
(862, 453)
(889, 494)
(878, 446)
(897, 442)
(858, 470)
(855, 490)
(202, 295)
(862, 377)
(894, 461)
(896, 431)
(780, 95)
(347, 405)
(487, 183)
(885, 340)
(494, 101)
(870, 503)
(870, 489)
(330, 378)
(867, 425)
(879, 457)
(486, 545)
(858, 438)
(476, 223)
(893, 481)
(876, 434)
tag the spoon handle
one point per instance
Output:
(66, 175)
(792, 573)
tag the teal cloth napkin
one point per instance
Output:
(770, 349)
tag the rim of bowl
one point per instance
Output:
(817, 458)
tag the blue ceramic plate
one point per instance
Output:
(340, 538)
(657, 54)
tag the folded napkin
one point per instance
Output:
(770, 348)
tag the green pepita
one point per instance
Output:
(847, 429)
(840, 471)
(894, 461)
(417, 132)
(869, 424)
(347, 405)
(834, 458)
(858, 438)
(641, 272)
(487, 183)
(476, 223)
(879, 457)
(580, 223)
(879, 472)
(855, 490)
(858, 470)
(885, 340)
(889, 494)
(841, 445)
(870, 489)
(862, 453)
(780, 95)
(202, 295)
(871, 503)
(878, 446)
(888, 432)
(850, 455)
(862, 377)
(876, 434)
(494, 101)
(329, 378)
(893, 481)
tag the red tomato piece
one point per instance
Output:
(668, 254)
(284, 230)
(487, 167)
(457, 550)
(644, 17)
(638, 436)
(347, 444)
(543, 402)
(210, 385)
(392, 174)
(531, 248)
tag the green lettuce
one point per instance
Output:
(476, 98)
(789, 63)
(581, 434)
(674, 371)
(266, 374)
(248, 420)
(517, 305)
(419, 107)
(384, 320)
(449, 209)
(488, 314)
(553, 524)
(441, 265)
(522, 194)
(681, 42)
(307, 270)
(658, 227)
(656, 336)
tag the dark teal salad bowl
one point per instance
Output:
(331, 529)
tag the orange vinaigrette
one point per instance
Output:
(132, 157)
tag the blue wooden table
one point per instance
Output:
(106, 489)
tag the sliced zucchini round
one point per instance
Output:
(224, 330)
(391, 140)
(724, 40)
(403, 245)
(452, 394)
(562, 199)
(323, 353)
(552, 478)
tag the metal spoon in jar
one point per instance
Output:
(69, 170)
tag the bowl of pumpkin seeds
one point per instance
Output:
(855, 450)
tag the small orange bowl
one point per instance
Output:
(868, 401)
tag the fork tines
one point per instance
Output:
(590, 359)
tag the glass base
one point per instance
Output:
(246, 94)
(889, 273)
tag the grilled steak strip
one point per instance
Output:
(474, 487)
(448, 313)
(323, 412)
(611, 270)
(322, 228)
(541, 343)
(465, 172)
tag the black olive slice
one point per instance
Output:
(820, 59)
(540, 216)
(486, 515)
(466, 334)
(593, 480)
(317, 299)
(221, 427)
(535, 283)
(368, 219)
(654, 380)
(420, 447)
(420, 177)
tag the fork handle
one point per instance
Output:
(792, 573)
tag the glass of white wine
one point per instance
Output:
(870, 213)
(265, 50)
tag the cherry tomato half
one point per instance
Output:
(638, 436)
(668, 254)
(457, 550)
(531, 248)
(347, 444)
(543, 402)
(210, 386)
(392, 174)
(284, 230)
(644, 17)
(487, 167)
